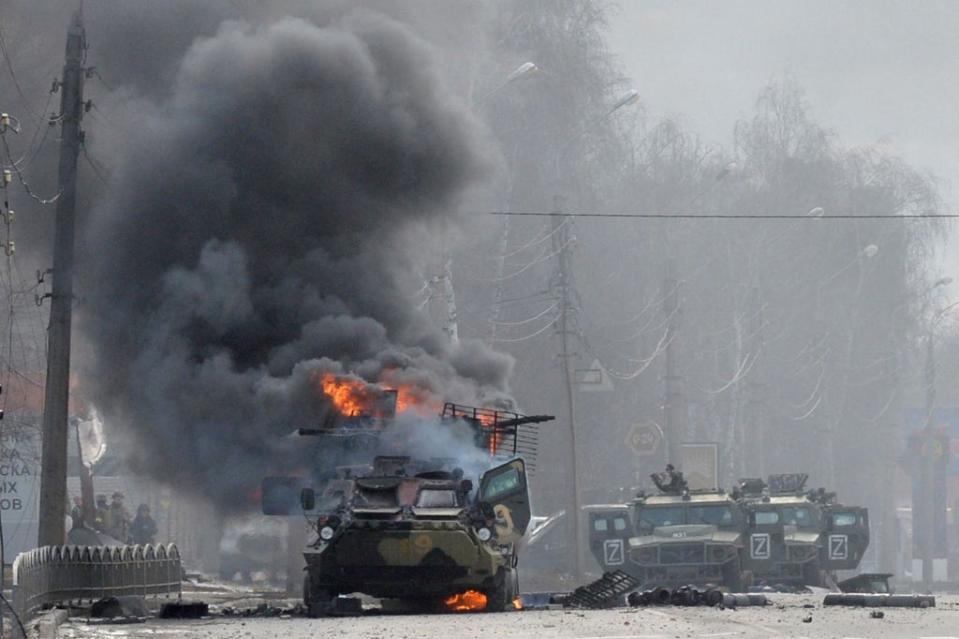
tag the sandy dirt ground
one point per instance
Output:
(789, 616)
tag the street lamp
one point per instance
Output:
(561, 229)
(524, 70)
(451, 324)
(629, 98)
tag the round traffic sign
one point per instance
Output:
(645, 438)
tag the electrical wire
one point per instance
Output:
(16, 616)
(727, 216)
(23, 181)
(548, 326)
(536, 241)
(99, 76)
(544, 256)
(530, 320)
(98, 171)
(46, 125)
(13, 76)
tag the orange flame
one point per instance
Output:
(518, 603)
(494, 441)
(353, 397)
(469, 601)
(350, 396)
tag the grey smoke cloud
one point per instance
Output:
(258, 231)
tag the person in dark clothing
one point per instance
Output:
(119, 519)
(144, 528)
(101, 520)
(76, 514)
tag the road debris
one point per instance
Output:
(880, 600)
(605, 592)
(690, 596)
(184, 610)
(128, 606)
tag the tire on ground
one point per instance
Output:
(318, 600)
(811, 574)
(500, 597)
(733, 575)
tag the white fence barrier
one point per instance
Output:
(78, 574)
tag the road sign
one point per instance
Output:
(594, 379)
(20, 490)
(645, 438)
(700, 465)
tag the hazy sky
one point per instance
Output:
(874, 70)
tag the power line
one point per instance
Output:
(13, 611)
(23, 181)
(731, 216)
(13, 76)
(97, 169)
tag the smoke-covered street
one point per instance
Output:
(440, 302)
(784, 619)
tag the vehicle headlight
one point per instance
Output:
(326, 533)
(484, 534)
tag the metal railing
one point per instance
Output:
(77, 574)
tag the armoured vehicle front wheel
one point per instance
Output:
(505, 589)
(318, 600)
(811, 574)
(733, 576)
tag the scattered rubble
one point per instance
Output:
(184, 610)
(127, 606)
(880, 600)
(691, 596)
(605, 592)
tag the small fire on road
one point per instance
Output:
(469, 601)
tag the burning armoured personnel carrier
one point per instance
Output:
(798, 537)
(423, 531)
(676, 538)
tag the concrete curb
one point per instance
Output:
(46, 625)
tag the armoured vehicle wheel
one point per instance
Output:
(500, 597)
(318, 601)
(733, 576)
(811, 574)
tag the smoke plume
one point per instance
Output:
(262, 228)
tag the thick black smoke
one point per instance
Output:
(261, 228)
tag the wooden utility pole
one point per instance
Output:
(564, 285)
(53, 474)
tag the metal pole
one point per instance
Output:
(564, 284)
(675, 406)
(53, 474)
(756, 442)
(927, 461)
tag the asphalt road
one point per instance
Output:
(785, 618)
